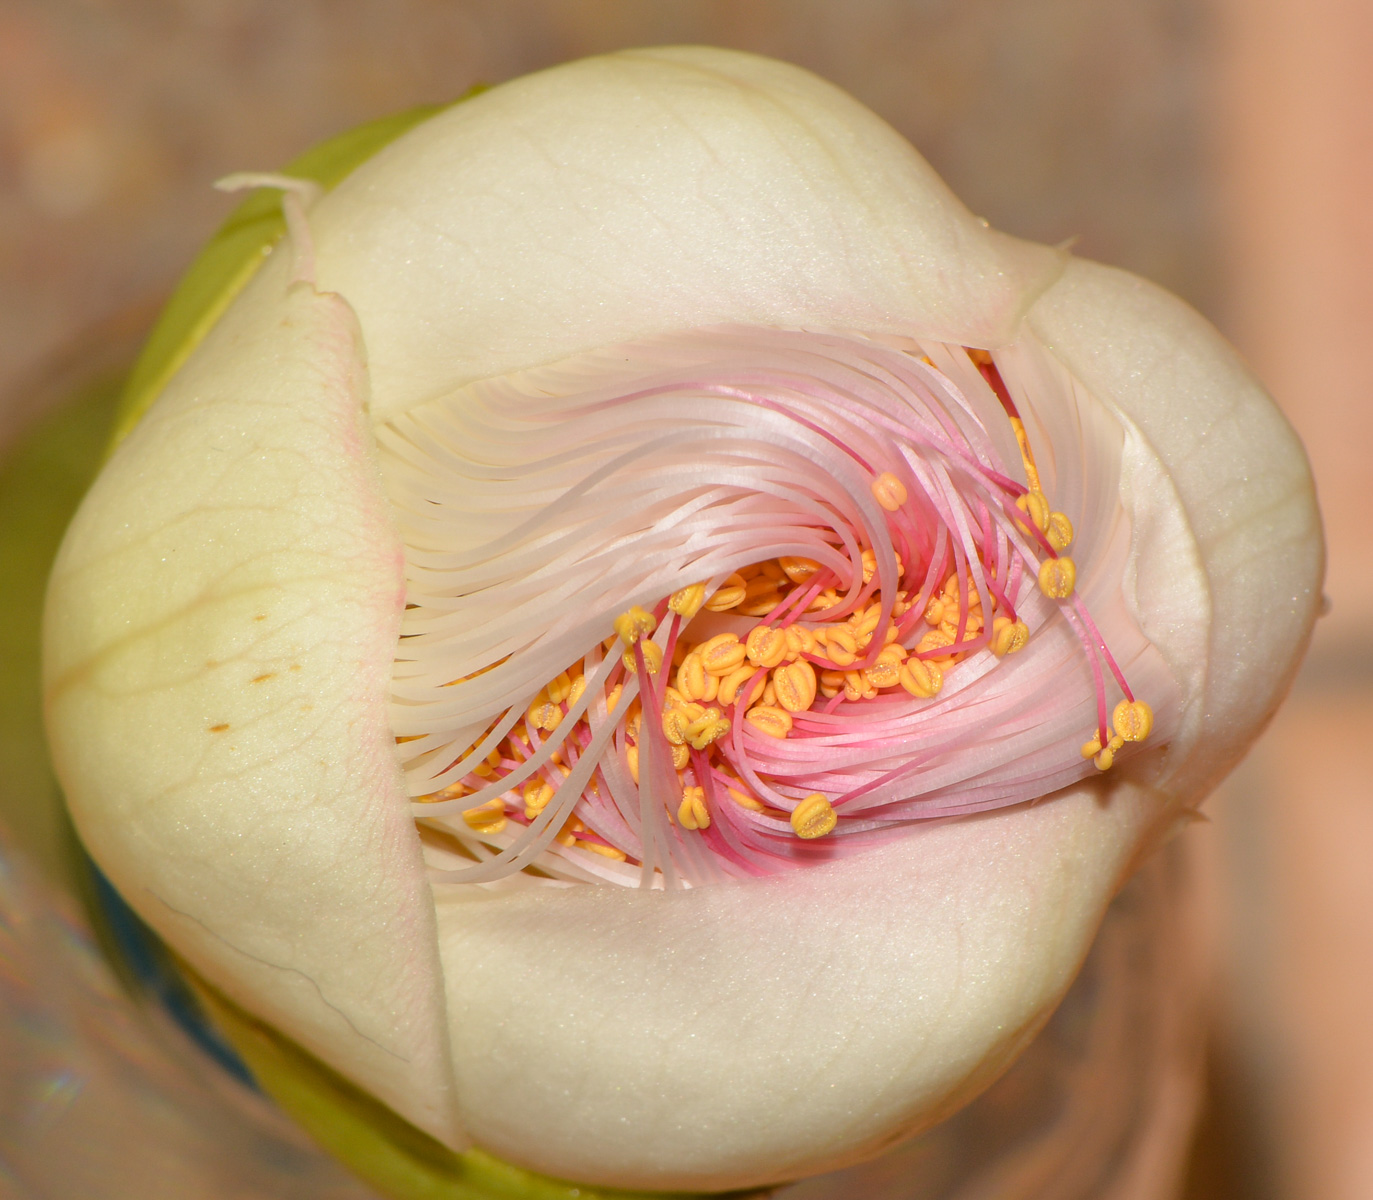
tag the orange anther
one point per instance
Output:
(723, 654)
(486, 818)
(766, 646)
(634, 624)
(798, 570)
(795, 686)
(1008, 636)
(921, 679)
(687, 601)
(768, 719)
(692, 812)
(814, 817)
(728, 594)
(889, 491)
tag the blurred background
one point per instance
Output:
(1221, 147)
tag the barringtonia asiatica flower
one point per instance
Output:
(647, 636)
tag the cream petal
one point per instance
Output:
(220, 629)
(1215, 478)
(753, 1032)
(646, 192)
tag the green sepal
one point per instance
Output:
(42, 479)
(376, 1145)
(232, 256)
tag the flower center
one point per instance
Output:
(900, 654)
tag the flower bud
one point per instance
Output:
(563, 353)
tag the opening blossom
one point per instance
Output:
(647, 636)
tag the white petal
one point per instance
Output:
(219, 635)
(753, 1032)
(647, 192)
(1205, 435)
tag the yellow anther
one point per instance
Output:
(723, 654)
(869, 560)
(935, 639)
(653, 658)
(1132, 720)
(694, 681)
(798, 570)
(602, 849)
(559, 688)
(687, 601)
(800, 641)
(746, 800)
(934, 610)
(709, 727)
(613, 698)
(760, 597)
(567, 835)
(1008, 636)
(634, 624)
(841, 647)
(1035, 506)
(794, 686)
(831, 683)
(1060, 531)
(632, 761)
(768, 695)
(920, 678)
(453, 791)
(681, 755)
(857, 687)
(1107, 755)
(826, 599)
(731, 684)
(692, 812)
(814, 817)
(766, 646)
(486, 818)
(537, 794)
(768, 719)
(1057, 577)
(867, 620)
(675, 722)
(773, 570)
(728, 595)
(886, 671)
(576, 691)
(1092, 748)
(889, 491)
(543, 713)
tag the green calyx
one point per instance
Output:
(369, 1139)
(378, 1146)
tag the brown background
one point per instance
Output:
(1224, 148)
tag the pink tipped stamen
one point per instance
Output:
(830, 447)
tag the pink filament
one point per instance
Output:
(729, 445)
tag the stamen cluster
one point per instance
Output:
(779, 705)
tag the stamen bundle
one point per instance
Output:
(722, 602)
